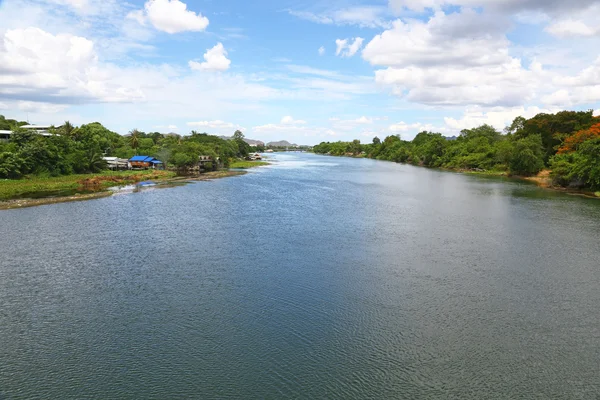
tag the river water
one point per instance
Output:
(316, 277)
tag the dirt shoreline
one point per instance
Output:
(106, 192)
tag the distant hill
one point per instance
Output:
(251, 142)
(281, 143)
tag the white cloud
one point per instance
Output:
(409, 131)
(578, 89)
(40, 107)
(216, 60)
(299, 133)
(77, 4)
(364, 120)
(570, 27)
(321, 50)
(597, 113)
(216, 124)
(216, 127)
(288, 120)
(309, 16)
(548, 6)
(348, 47)
(348, 125)
(455, 59)
(168, 127)
(362, 16)
(465, 39)
(171, 16)
(498, 118)
(38, 66)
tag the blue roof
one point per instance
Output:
(140, 158)
(147, 159)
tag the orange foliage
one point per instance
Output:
(572, 142)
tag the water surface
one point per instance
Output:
(315, 277)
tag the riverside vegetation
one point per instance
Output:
(71, 160)
(566, 143)
(79, 150)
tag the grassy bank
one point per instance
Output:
(241, 164)
(37, 191)
(38, 186)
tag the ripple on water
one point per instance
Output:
(314, 277)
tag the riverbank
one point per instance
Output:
(38, 191)
(543, 179)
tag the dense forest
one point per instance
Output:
(71, 149)
(567, 143)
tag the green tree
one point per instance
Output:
(528, 156)
(134, 139)
(67, 129)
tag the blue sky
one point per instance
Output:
(305, 71)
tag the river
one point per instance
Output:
(315, 277)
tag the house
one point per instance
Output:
(208, 163)
(39, 129)
(115, 163)
(145, 162)
(5, 135)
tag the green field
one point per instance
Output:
(241, 164)
(38, 186)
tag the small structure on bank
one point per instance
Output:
(116, 163)
(208, 163)
(145, 162)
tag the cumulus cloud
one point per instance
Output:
(215, 60)
(38, 66)
(321, 50)
(577, 89)
(451, 59)
(171, 16)
(348, 47)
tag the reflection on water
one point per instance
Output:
(314, 277)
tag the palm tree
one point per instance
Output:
(68, 128)
(95, 161)
(134, 139)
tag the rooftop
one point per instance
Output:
(36, 126)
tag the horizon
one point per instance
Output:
(303, 72)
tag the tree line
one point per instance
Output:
(567, 143)
(77, 150)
